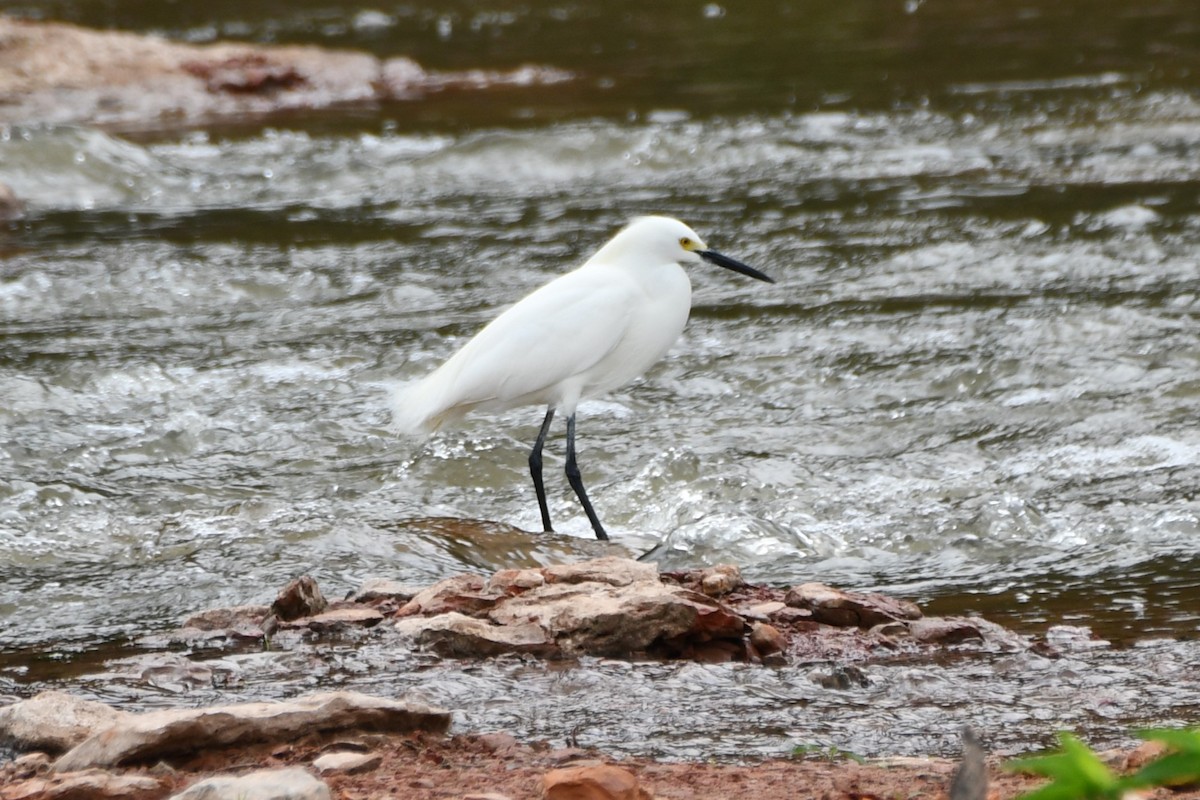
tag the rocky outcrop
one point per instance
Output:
(617, 607)
(141, 737)
(60, 73)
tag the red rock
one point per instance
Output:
(849, 609)
(719, 652)
(766, 638)
(300, 598)
(604, 782)
(720, 580)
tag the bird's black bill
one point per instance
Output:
(713, 257)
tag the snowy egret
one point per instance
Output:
(582, 334)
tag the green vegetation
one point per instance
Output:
(1079, 774)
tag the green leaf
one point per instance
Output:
(1175, 769)
(1056, 791)
(1182, 739)
(1094, 772)
(1076, 770)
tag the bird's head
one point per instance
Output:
(670, 240)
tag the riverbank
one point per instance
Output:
(57, 73)
(361, 745)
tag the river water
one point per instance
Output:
(975, 383)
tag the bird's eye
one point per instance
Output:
(685, 243)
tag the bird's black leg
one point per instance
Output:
(535, 470)
(576, 481)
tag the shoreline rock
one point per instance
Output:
(58, 73)
(138, 738)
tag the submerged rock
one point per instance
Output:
(54, 72)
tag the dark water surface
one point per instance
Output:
(975, 383)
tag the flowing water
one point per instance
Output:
(974, 384)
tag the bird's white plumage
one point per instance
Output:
(584, 333)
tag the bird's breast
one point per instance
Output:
(655, 319)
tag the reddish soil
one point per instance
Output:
(427, 767)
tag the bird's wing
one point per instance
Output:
(558, 331)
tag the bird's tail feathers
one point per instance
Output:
(412, 412)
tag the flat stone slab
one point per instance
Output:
(292, 783)
(143, 737)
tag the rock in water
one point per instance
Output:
(849, 609)
(300, 598)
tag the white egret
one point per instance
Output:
(582, 334)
